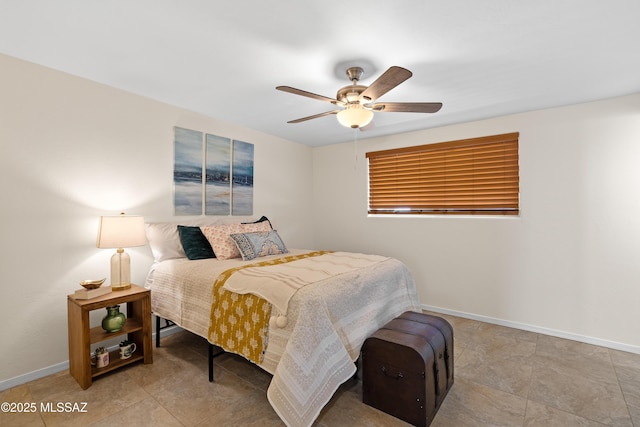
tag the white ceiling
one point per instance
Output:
(480, 58)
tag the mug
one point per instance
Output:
(102, 360)
(127, 351)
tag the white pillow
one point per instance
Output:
(164, 240)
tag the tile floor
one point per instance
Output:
(503, 377)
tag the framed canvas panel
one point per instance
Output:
(187, 172)
(218, 175)
(242, 186)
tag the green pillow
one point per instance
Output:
(195, 245)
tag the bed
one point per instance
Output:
(300, 315)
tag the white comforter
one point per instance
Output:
(328, 322)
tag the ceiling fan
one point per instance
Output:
(359, 101)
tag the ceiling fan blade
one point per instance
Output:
(407, 107)
(315, 116)
(387, 81)
(308, 94)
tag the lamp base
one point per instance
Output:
(120, 270)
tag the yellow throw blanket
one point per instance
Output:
(239, 323)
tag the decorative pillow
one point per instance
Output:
(195, 245)
(259, 243)
(219, 237)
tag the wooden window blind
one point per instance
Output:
(470, 176)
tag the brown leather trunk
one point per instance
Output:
(407, 367)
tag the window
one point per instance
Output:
(470, 176)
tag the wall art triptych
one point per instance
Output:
(212, 175)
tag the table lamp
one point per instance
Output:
(122, 231)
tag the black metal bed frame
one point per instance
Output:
(212, 353)
(212, 348)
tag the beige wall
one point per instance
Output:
(73, 150)
(567, 266)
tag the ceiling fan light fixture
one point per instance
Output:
(354, 116)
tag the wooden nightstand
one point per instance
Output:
(81, 335)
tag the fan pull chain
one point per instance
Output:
(355, 147)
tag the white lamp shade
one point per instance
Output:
(354, 116)
(121, 231)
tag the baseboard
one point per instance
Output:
(58, 367)
(531, 328)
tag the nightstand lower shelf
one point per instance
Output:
(114, 363)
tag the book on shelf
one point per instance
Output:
(92, 293)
